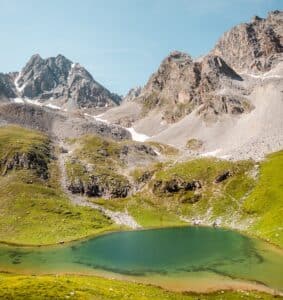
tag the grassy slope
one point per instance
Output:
(35, 211)
(166, 209)
(266, 200)
(242, 202)
(83, 287)
(16, 139)
(103, 154)
(38, 212)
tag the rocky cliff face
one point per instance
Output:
(255, 46)
(181, 85)
(7, 89)
(58, 80)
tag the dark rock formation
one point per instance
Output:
(223, 176)
(76, 186)
(29, 161)
(101, 185)
(145, 177)
(175, 185)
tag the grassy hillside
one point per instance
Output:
(245, 200)
(83, 287)
(17, 139)
(34, 210)
(265, 203)
(213, 200)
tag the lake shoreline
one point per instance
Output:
(106, 232)
(183, 279)
(233, 285)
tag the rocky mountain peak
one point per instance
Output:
(181, 84)
(254, 46)
(177, 58)
(61, 81)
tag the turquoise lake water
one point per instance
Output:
(169, 252)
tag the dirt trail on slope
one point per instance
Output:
(120, 218)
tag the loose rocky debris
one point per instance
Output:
(57, 123)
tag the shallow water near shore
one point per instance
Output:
(183, 258)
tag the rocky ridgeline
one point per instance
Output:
(181, 85)
(212, 84)
(58, 80)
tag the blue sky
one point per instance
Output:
(121, 42)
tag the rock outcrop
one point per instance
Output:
(28, 161)
(7, 89)
(101, 185)
(175, 185)
(225, 175)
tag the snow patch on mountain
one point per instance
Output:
(139, 137)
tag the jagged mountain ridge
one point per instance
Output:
(213, 84)
(217, 100)
(59, 81)
(228, 100)
(181, 84)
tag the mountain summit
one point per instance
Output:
(59, 81)
(256, 46)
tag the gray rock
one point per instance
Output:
(56, 123)
(254, 46)
(132, 94)
(7, 88)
